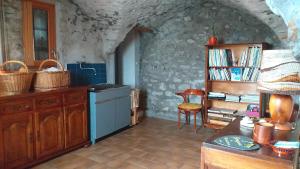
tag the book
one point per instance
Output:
(219, 114)
(216, 95)
(228, 111)
(220, 57)
(221, 110)
(250, 99)
(232, 98)
(243, 58)
(236, 74)
(219, 74)
(214, 110)
(254, 57)
(218, 122)
(221, 118)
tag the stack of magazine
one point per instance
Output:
(250, 99)
(220, 116)
(216, 95)
(232, 98)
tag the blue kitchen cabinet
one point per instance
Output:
(105, 118)
(122, 119)
(110, 110)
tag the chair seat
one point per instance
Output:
(190, 106)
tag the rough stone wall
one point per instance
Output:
(91, 30)
(260, 10)
(79, 35)
(289, 10)
(172, 58)
(13, 29)
(130, 13)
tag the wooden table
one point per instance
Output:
(216, 156)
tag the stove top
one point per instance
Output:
(103, 86)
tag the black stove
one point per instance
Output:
(103, 86)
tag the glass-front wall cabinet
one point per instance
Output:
(39, 31)
(40, 34)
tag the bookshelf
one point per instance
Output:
(231, 69)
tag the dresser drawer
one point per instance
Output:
(18, 106)
(75, 97)
(48, 101)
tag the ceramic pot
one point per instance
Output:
(212, 40)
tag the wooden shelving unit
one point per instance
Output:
(227, 86)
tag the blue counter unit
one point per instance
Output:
(109, 111)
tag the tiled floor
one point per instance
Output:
(153, 144)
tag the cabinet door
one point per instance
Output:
(49, 132)
(123, 112)
(105, 118)
(75, 125)
(16, 140)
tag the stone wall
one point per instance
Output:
(172, 57)
(13, 29)
(79, 35)
(91, 30)
(289, 10)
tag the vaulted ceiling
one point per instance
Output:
(116, 18)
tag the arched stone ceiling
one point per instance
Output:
(260, 10)
(116, 18)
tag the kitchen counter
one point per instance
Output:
(11, 95)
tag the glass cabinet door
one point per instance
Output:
(38, 31)
(40, 34)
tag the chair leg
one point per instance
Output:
(204, 117)
(187, 117)
(179, 118)
(195, 121)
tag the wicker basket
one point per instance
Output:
(51, 80)
(15, 82)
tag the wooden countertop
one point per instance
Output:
(10, 95)
(265, 152)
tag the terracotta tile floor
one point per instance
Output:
(153, 144)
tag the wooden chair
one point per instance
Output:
(187, 107)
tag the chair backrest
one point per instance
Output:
(196, 92)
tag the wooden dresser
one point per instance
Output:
(38, 126)
(214, 156)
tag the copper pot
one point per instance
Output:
(263, 132)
